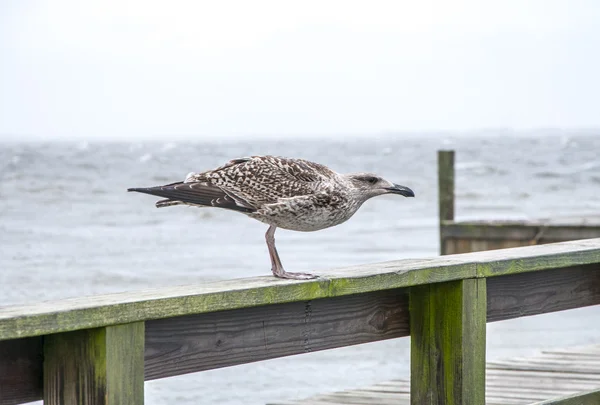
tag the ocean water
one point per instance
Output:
(68, 228)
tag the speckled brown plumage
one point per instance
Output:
(285, 193)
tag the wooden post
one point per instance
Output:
(102, 366)
(447, 332)
(445, 190)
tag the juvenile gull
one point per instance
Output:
(284, 193)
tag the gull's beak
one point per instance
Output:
(402, 190)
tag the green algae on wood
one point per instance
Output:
(98, 311)
(536, 258)
(91, 312)
(101, 366)
(447, 323)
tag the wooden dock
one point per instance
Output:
(100, 350)
(476, 236)
(516, 381)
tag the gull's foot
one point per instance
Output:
(295, 276)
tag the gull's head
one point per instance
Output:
(370, 185)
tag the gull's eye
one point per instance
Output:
(371, 179)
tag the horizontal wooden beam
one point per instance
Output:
(534, 258)
(526, 294)
(90, 312)
(104, 310)
(518, 231)
(207, 341)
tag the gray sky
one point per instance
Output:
(112, 69)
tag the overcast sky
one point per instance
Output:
(121, 69)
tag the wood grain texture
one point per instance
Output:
(448, 343)
(102, 366)
(20, 370)
(526, 294)
(91, 312)
(125, 346)
(445, 190)
(206, 341)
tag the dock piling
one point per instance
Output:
(445, 190)
(447, 323)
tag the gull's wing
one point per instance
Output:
(260, 180)
(246, 184)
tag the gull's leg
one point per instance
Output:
(276, 266)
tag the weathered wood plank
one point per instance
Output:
(445, 189)
(475, 236)
(526, 294)
(91, 312)
(535, 258)
(125, 363)
(20, 370)
(206, 341)
(103, 310)
(102, 366)
(448, 343)
(587, 398)
(530, 232)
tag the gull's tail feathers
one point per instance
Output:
(197, 194)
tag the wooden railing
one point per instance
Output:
(99, 350)
(474, 236)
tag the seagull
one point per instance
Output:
(286, 193)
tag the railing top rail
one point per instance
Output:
(96, 311)
(583, 222)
